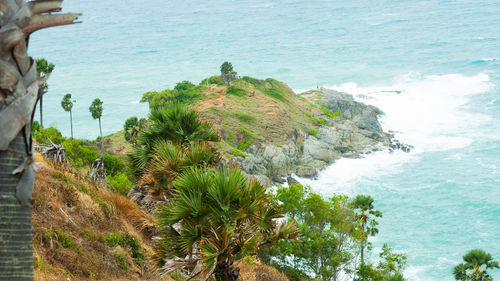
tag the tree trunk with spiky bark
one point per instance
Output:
(19, 86)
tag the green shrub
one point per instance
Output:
(327, 112)
(246, 118)
(235, 91)
(113, 164)
(46, 136)
(313, 132)
(238, 152)
(35, 126)
(336, 113)
(275, 93)
(121, 260)
(126, 240)
(322, 121)
(78, 153)
(120, 183)
(253, 81)
(65, 239)
(215, 79)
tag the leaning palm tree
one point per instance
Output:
(220, 216)
(67, 105)
(19, 86)
(476, 262)
(43, 68)
(366, 214)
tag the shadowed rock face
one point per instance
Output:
(364, 116)
(356, 132)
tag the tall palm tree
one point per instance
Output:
(366, 213)
(19, 86)
(476, 262)
(220, 216)
(96, 111)
(67, 105)
(43, 68)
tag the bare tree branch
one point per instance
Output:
(43, 21)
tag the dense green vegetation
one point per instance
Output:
(174, 122)
(475, 266)
(82, 153)
(184, 92)
(224, 215)
(330, 232)
(221, 216)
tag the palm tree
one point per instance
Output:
(43, 68)
(476, 262)
(220, 216)
(169, 160)
(227, 72)
(67, 105)
(174, 122)
(96, 111)
(367, 215)
(19, 84)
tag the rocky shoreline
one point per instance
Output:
(356, 132)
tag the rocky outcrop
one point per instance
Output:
(357, 131)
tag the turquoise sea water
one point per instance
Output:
(444, 56)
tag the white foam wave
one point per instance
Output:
(424, 111)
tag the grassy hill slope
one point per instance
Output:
(85, 232)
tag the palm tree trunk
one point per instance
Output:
(41, 110)
(102, 141)
(226, 271)
(19, 85)
(16, 246)
(71, 122)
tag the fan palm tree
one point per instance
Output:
(366, 213)
(221, 216)
(19, 84)
(174, 122)
(476, 262)
(67, 105)
(169, 160)
(43, 68)
(96, 111)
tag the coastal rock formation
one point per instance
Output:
(356, 131)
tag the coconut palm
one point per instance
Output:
(43, 68)
(67, 105)
(220, 216)
(366, 213)
(19, 84)
(96, 111)
(174, 122)
(476, 262)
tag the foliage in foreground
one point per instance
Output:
(329, 231)
(222, 216)
(475, 266)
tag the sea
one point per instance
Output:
(432, 67)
